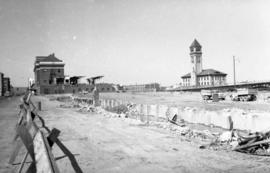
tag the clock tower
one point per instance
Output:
(196, 61)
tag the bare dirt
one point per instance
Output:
(103, 144)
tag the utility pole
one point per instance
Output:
(234, 80)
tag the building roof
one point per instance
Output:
(195, 43)
(49, 58)
(207, 72)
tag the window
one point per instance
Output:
(59, 70)
(198, 59)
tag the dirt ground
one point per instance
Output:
(188, 99)
(103, 144)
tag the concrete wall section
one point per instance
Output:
(242, 120)
(162, 111)
(153, 110)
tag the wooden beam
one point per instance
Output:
(44, 159)
(252, 144)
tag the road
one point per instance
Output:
(103, 144)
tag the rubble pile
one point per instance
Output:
(130, 114)
(63, 98)
(178, 127)
(67, 102)
(254, 143)
(119, 109)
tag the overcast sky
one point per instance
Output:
(135, 41)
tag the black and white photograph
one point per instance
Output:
(134, 86)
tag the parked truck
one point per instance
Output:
(211, 94)
(244, 94)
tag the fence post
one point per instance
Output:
(148, 114)
(39, 106)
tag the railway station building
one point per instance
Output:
(199, 76)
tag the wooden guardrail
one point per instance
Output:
(38, 141)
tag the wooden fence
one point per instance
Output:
(38, 141)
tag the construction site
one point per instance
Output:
(98, 127)
(134, 87)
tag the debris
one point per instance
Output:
(225, 136)
(174, 121)
(119, 109)
(202, 147)
(234, 144)
(257, 143)
(254, 143)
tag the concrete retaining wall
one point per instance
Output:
(253, 121)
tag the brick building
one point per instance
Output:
(49, 70)
(50, 78)
(6, 85)
(49, 74)
(199, 76)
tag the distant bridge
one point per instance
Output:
(255, 84)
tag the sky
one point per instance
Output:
(135, 41)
